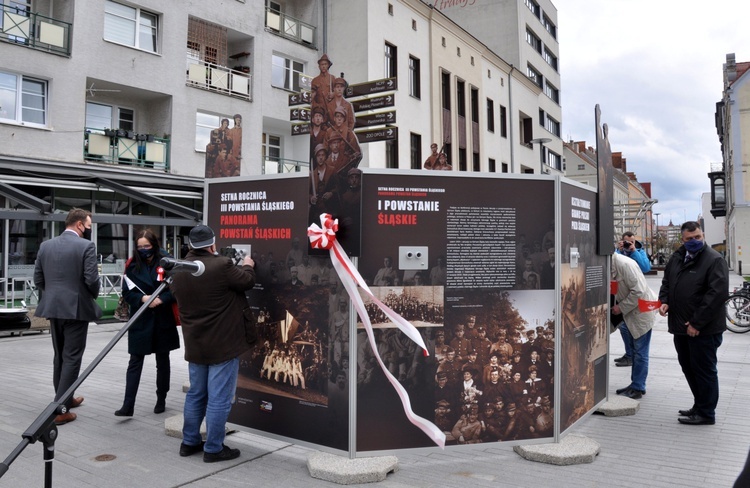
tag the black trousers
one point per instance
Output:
(68, 342)
(697, 357)
(133, 376)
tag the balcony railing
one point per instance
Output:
(276, 165)
(24, 28)
(220, 79)
(126, 148)
(289, 27)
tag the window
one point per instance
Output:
(416, 151)
(550, 58)
(504, 167)
(204, 124)
(23, 99)
(461, 98)
(415, 78)
(458, 51)
(443, 41)
(552, 125)
(390, 61)
(413, 24)
(554, 160)
(552, 92)
(581, 167)
(462, 159)
(541, 117)
(130, 26)
(490, 115)
(534, 7)
(533, 41)
(503, 122)
(285, 73)
(549, 26)
(534, 75)
(445, 80)
(474, 105)
(491, 165)
(475, 162)
(391, 154)
(271, 147)
(390, 9)
(527, 129)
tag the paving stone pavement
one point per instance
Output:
(648, 449)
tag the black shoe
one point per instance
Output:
(696, 419)
(624, 362)
(161, 405)
(634, 394)
(124, 412)
(686, 413)
(226, 454)
(621, 358)
(186, 450)
(622, 391)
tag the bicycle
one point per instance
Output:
(737, 309)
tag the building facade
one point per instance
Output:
(124, 108)
(731, 183)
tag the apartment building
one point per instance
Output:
(117, 106)
(632, 201)
(730, 197)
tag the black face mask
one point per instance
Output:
(87, 233)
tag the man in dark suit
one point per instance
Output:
(67, 275)
(212, 307)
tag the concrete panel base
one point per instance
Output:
(618, 406)
(173, 427)
(344, 471)
(573, 449)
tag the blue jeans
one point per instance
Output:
(639, 348)
(627, 339)
(697, 357)
(212, 389)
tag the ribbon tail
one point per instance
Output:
(429, 428)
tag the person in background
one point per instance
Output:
(693, 291)
(155, 330)
(630, 247)
(67, 275)
(631, 287)
(212, 314)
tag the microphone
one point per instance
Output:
(196, 268)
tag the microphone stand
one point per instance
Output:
(44, 428)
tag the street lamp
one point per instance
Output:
(541, 141)
(657, 232)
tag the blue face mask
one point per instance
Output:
(693, 246)
(146, 253)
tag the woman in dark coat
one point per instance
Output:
(155, 330)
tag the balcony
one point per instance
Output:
(275, 165)
(29, 29)
(219, 79)
(289, 27)
(126, 148)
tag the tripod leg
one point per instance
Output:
(48, 441)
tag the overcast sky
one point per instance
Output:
(655, 69)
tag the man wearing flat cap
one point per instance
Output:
(339, 102)
(322, 184)
(318, 129)
(213, 327)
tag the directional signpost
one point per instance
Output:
(375, 135)
(380, 118)
(371, 87)
(374, 103)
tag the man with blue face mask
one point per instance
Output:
(693, 292)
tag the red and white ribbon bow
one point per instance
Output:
(324, 237)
